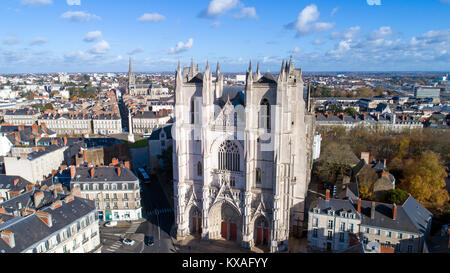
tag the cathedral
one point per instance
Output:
(242, 157)
(155, 91)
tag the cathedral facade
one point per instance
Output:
(241, 160)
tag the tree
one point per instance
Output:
(425, 180)
(48, 106)
(397, 196)
(30, 96)
(350, 111)
(335, 109)
(336, 161)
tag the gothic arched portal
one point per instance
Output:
(225, 222)
(195, 220)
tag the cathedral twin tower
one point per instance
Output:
(241, 157)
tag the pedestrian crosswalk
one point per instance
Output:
(159, 211)
(114, 247)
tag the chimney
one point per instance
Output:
(118, 171)
(115, 161)
(2, 210)
(85, 155)
(45, 217)
(385, 165)
(34, 128)
(69, 198)
(16, 181)
(29, 187)
(8, 237)
(38, 197)
(21, 127)
(73, 171)
(65, 141)
(56, 204)
(127, 165)
(372, 211)
(394, 212)
(359, 205)
(366, 157)
(92, 172)
(327, 195)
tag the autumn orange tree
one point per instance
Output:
(424, 179)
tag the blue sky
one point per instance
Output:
(326, 35)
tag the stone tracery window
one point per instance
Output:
(229, 158)
(264, 115)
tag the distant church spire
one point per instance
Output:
(131, 79)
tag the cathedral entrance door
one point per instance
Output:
(199, 219)
(224, 230)
(266, 237)
(261, 231)
(233, 231)
(259, 236)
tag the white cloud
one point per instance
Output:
(11, 40)
(318, 42)
(135, 51)
(151, 17)
(73, 2)
(101, 47)
(349, 33)
(35, 3)
(39, 41)
(217, 8)
(373, 2)
(92, 36)
(306, 22)
(215, 24)
(182, 47)
(247, 11)
(79, 16)
(333, 12)
(381, 33)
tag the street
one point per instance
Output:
(157, 223)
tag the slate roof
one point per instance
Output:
(417, 213)
(103, 174)
(21, 112)
(267, 78)
(383, 217)
(149, 115)
(411, 216)
(30, 229)
(167, 129)
(7, 182)
(337, 205)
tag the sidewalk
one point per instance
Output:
(195, 244)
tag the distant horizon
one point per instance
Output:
(240, 73)
(322, 36)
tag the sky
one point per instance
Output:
(48, 36)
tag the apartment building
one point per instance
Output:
(115, 190)
(21, 117)
(11, 186)
(107, 124)
(396, 228)
(36, 166)
(48, 221)
(144, 122)
(68, 124)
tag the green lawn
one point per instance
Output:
(138, 144)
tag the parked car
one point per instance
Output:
(111, 224)
(128, 241)
(148, 240)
